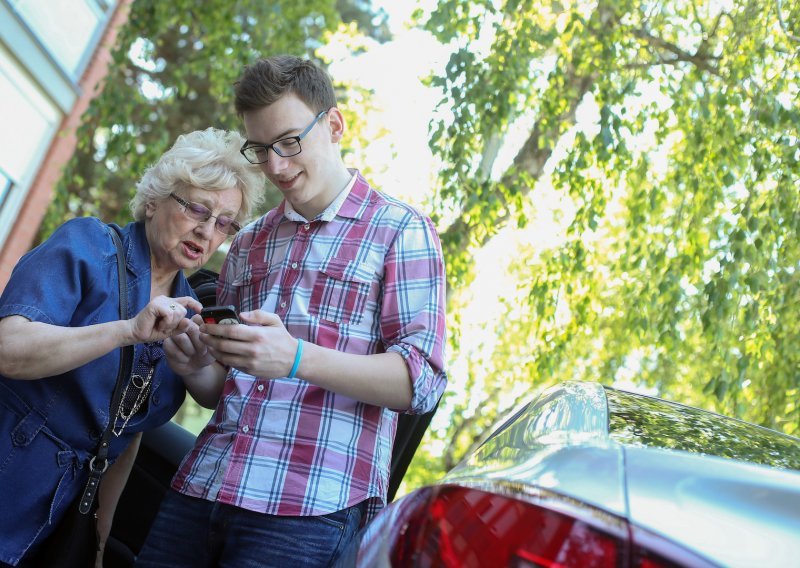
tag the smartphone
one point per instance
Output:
(225, 315)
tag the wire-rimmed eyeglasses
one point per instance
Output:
(198, 212)
(285, 147)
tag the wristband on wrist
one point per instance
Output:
(297, 357)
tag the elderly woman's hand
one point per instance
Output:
(186, 353)
(163, 317)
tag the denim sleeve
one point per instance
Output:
(51, 281)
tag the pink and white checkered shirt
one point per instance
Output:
(365, 277)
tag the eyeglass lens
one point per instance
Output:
(222, 223)
(285, 148)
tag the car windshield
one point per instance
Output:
(645, 421)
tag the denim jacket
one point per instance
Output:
(50, 427)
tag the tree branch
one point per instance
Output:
(530, 159)
(699, 58)
(779, 9)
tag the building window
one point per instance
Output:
(66, 28)
(28, 117)
(29, 120)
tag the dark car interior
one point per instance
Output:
(163, 449)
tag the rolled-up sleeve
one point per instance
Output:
(413, 309)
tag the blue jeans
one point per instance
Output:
(196, 533)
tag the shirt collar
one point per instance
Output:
(357, 200)
(134, 240)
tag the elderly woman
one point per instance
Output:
(60, 334)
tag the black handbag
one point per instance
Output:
(74, 542)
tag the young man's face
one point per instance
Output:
(311, 179)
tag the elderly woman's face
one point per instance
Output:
(177, 241)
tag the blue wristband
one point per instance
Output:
(297, 357)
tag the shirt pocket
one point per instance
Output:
(251, 286)
(341, 291)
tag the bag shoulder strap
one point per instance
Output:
(99, 463)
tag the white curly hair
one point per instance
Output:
(207, 159)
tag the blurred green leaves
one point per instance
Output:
(676, 268)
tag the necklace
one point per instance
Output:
(137, 390)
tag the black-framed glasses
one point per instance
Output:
(285, 147)
(200, 213)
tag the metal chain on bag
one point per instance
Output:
(137, 390)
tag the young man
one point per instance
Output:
(342, 290)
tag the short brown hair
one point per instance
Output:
(268, 79)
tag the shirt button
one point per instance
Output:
(306, 226)
(294, 265)
(245, 429)
(283, 304)
(260, 388)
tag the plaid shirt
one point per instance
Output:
(366, 276)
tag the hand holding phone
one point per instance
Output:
(225, 315)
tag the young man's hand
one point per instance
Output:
(186, 353)
(260, 346)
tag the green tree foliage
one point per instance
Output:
(173, 68)
(678, 264)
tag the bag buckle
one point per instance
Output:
(97, 470)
